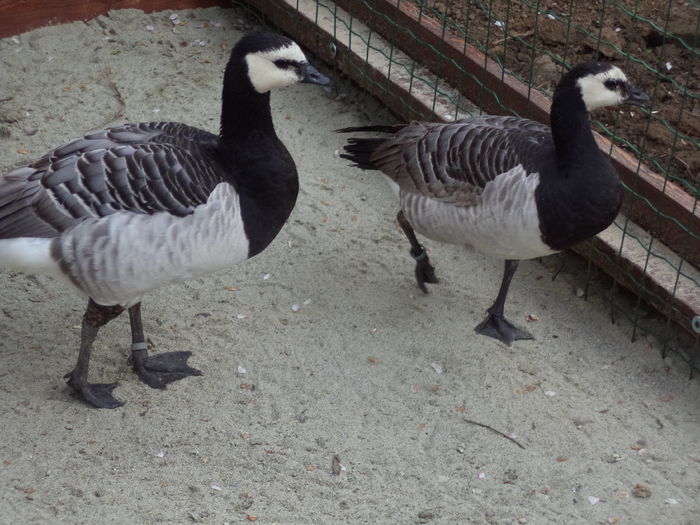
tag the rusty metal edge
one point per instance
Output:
(283, 15)
(393, 21)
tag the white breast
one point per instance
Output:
(503, 224)
(118, 258)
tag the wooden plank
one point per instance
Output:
(651, 277)
(18, 16)
(398, 24)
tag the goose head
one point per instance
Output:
(274, 61)
(602, 85)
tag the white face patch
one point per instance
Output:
(265, 75)
(596, 94)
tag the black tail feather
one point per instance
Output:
(381, 128)
(359, 150)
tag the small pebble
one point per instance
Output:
(295, 307)
(641, 491)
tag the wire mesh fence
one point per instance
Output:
(448, 59)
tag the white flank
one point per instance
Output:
(502, 224)
(265, 75)
(118, 258)
(594, 92)
(28, 255)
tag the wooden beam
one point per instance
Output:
(18, 16)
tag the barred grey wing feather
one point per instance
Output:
(454, 162)
(141, 168)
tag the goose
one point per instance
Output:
(128, 209)
(506, 186)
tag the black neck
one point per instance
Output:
(580, 195)
(242, 108)
(571, 128)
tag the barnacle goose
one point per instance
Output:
(125, 210)
(506, 186)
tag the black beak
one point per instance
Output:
(311, 75)
(635, 97)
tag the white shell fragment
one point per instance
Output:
(242, 370)
(437, 367)
(550, 393)
(216, 487)
(295, 307)
(160, 453)
(671, 501)
(593, 500)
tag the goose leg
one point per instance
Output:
(496, 325)
(157, 370)
(100, 395)
(425, 272)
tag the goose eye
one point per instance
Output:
(614, 84)
(284, 64)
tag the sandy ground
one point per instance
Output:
(610, 431)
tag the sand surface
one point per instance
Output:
(610, 431)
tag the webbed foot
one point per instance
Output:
(97, 394)
(500, 328)
(159, 370)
